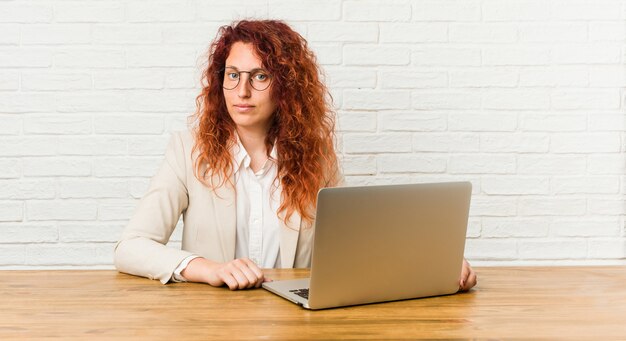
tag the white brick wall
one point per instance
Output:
(524, 98)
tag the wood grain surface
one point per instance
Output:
(508, 303)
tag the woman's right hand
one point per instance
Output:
(241, 273)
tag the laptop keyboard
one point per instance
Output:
(301, 292)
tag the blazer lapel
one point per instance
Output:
(289, 233)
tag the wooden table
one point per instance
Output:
(512, 302)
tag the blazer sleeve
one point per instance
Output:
(141, 250)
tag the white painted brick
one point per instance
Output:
(25, 57)
(126, 167)
(10, 34)
(55, 81)
(317, 10)
(327, 53)
(183, 33)
(138, 187)
(129, 79)
(552, 206)
(10, 124)
(61, 209)
(548, 122)
(128, 124)
(92, 188)
(554, 32)
(66, 254)
(27, 189)
(10, 168)
(515, 10)
(520, 99)
(496, 121)
(516, 55)
(448, 10)
(585, 185)
(607, 76)
(508, 228)
(90, 58)
(176, 122)
(482, 164)
(58, 124)
(351, 122)
(12, 254)
(376, 99)
(447, 99)
(548, 249)
(585, 143)
(343, 32)
(28, 233)
(379, 143)
(136, 34)
(147, 145)
(163, 11)
(551, 164)
(56, 34)
(473, 228)
(358, 165)
(586, 228)
(11, 210)
(607, 31)
(26, 102)
(606, 206)
(180, 78)
(606, 164)
(413, 33)
(515, 143)
(162, 101)
(9, 80)
(413, 79)
(607, 248)
(483, 77)
(376, 55)
(446, 56)
(71, 11)
(25, 12)
(90, 232)
(515, 185)
(91, 102)
(415, 121)
(585, 10)
(350, 77)
(411, 163)
(57, 166)
(92, 145)
(483, 33)
(116, 210)
(28, 146)
(552, 76)
(587, 53)
(586, 99)
(234, 9)
(445, 142)
(481, 249)
(377, 11)
(163, 56)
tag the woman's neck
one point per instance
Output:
(254, 143)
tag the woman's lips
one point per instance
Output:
(244, 107)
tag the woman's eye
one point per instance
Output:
(260, 77)
(233, 75)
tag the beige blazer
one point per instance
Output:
(209, 221)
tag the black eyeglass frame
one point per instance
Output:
(250, 72)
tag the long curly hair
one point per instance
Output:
(302, 126)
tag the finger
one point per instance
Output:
(255, 273)
(228, 279)
(242, 279)
(465, 269)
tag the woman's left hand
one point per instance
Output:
(468, 277)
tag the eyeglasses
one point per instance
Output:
(259, 79)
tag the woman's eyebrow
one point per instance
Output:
(251, 70)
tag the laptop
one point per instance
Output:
(383, 243)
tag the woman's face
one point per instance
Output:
(251, 109)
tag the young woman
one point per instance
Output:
(245, 178)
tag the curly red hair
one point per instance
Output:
(302, 126)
